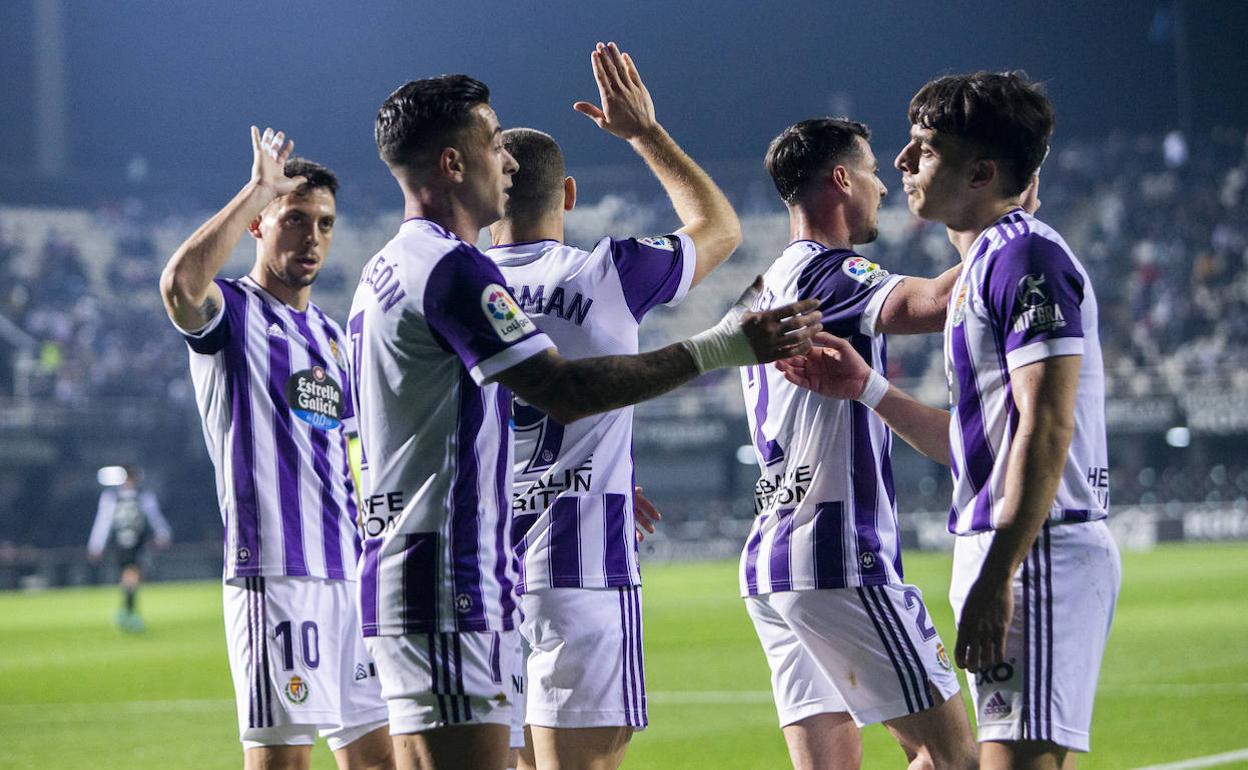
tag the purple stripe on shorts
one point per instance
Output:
(496, 667)
(624, 677)
(247, 557)
(829, 545)
(1047, 534)
(565, 543)
(287, 467)
(368, 586)
(459, 677)
(435, 677)
(504, 553)
(639, 649)
(906, 644)
(863, 596)
(900, 640)
(631, 651)
(778, 557)
(616, 535)
(466, 509)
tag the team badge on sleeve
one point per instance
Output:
(658, 242)
(864, 271)
(509, 321)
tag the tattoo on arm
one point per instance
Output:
(209, 308)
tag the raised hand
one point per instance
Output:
(268, 164)
(831, 368)
(780, 332)
(627, 110)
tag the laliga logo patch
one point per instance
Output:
(509, 321)
(658, 242)
(296, 690)
(315, 398)
(863, 271)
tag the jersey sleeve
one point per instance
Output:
(1033, 293)
(654, 271)
(468, 306)
(212, 337)
(851, 290)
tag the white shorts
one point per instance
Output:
(299, 663)
(585, 666)
(1064, 597)
(437, 680)
(870, 651)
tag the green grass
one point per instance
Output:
(76, 693)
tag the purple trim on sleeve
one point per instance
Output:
(649, 275)
(844, 300)
(455, 307)
(1033, 291)
(218, 334)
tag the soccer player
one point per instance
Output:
(126, 517)
(1035, 573)
(439, 346)
(271, 378)
(572, 504)
(848, 641)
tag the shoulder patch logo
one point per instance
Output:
(864, 271)
(509, 321)
(658, 242)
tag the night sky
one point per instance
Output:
(179, 82)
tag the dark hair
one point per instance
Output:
(804, 149)
(1002, 114)
(538, 185)
(424, 113)
(316, 174)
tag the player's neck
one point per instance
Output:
(444, 210)
(826, 226)
(966, 229)
(294, 298)
(506, 231)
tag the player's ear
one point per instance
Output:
(983, 172)
(839, 176)
(569, 193)
(451, 164)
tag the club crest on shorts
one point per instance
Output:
(509, 321)
(296, 690)
(942, 657)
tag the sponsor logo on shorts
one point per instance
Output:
(364, 672)
(1002, 672)
(997, 706)
(863, 271)
(942, 657)
(296, 690)
(509, 321)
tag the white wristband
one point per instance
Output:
(875, 390)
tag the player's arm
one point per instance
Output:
(1044, 394)
(627, 111)
(186, 284)
(918, 305)
(101, 526)
(156, 518)
(835, 370)
(570, 389)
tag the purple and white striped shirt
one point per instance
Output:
(1022, 297)
(273, 389)
(431, 325)
(572, 503)
(825, 513)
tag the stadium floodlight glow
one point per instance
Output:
(745, 455)
(1179, 437)
(111, 476)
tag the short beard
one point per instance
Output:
(291, 281)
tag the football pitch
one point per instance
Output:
(74, 692)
